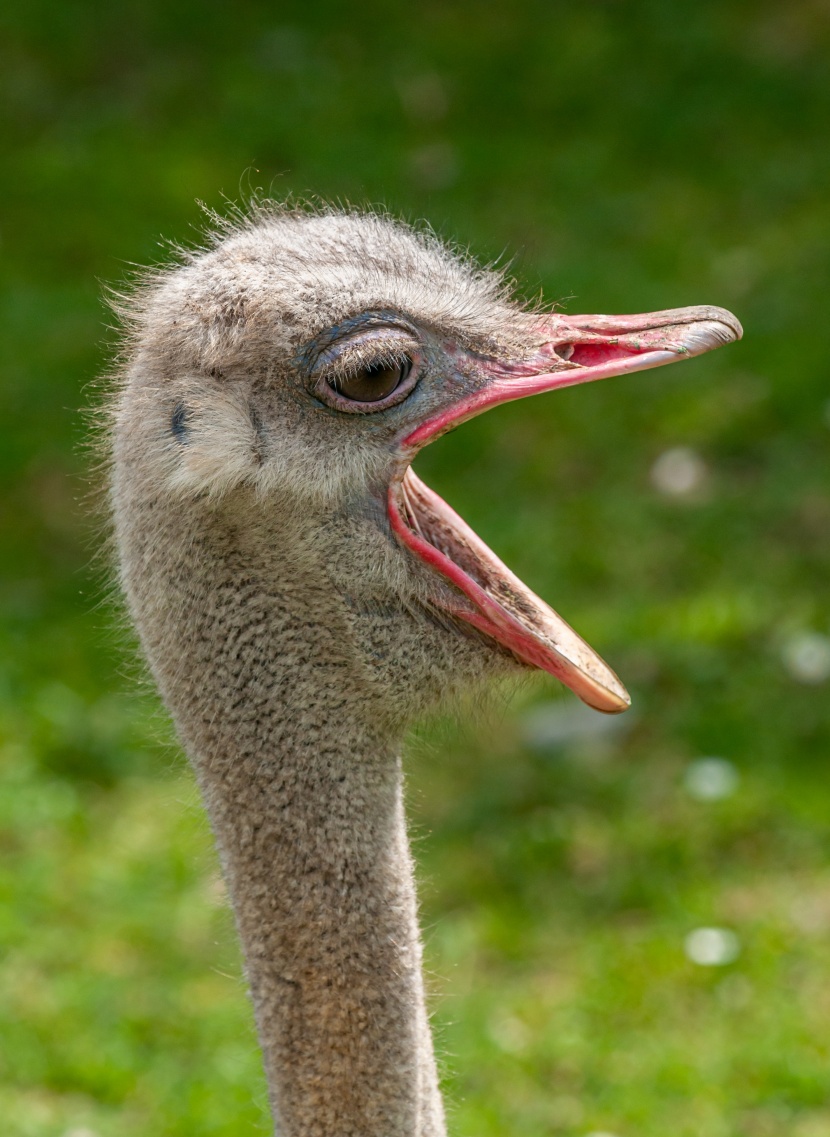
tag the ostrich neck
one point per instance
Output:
(314, 847)
(303, 785)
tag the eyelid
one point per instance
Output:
(387, 346)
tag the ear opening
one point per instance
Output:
(218, 440)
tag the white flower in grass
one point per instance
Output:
(712, 947)
(678, 472)
(806, 656)
(710, 779)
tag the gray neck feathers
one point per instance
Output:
(255, 655)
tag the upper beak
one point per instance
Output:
(580, 349)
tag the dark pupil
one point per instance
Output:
(374, 382)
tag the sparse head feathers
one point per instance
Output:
(273, 279)
(219, 343)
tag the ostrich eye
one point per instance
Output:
(374, 382)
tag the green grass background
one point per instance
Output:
(631, 156)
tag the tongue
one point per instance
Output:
(497, 602)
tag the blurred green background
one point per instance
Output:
(628, 930)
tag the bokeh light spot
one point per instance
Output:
(712, 947)
(806, 656)
(710, 779)
(678, 472)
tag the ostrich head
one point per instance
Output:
(281, 384)
(300, 594)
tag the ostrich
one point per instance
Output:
(300, 595)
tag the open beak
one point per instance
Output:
(572, 350)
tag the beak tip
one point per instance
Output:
(609, 698)
(617, 707)
(730, 321)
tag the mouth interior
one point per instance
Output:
(591, 354)
(431, 518)
(494, 600)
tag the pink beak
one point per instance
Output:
(573, 349)
(581, 349)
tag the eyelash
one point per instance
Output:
(353, 367)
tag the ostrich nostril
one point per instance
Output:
(564, 350)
